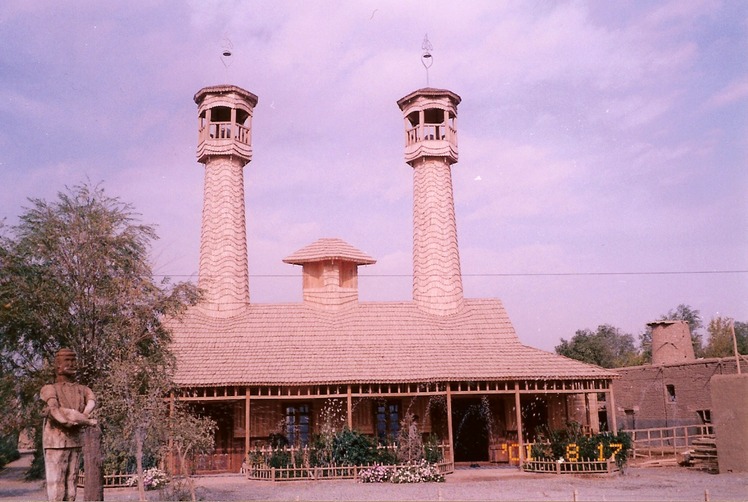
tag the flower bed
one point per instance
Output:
(152, 478)
(420, 472)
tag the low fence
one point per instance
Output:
(118, 480)
(664, 441)
(578, 467)
(222, 460)
(264, 473)
(260, 470)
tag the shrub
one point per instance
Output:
(555, 445)
(351, 447)
(9, 449)
(431, 451)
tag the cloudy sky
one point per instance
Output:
(603, 145)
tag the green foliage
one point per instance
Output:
(8, 449)
(75, 272)
(720, 341)
(431, 451)
(352, 448)
(555, 445)
(386, 454)
(607, 347)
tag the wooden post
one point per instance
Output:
(247, 436)
(520, 440)
(735, 345)
(171, 439)
(612, 403)
(587, 411)
(449, 424)
(350, 409)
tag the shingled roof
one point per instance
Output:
(372, 342)
(329, 249)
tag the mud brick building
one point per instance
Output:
(675, 389)
(454, 363)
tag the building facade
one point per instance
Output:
(673, 391)
(455, 364)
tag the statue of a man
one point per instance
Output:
(68, 405)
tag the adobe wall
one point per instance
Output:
(730, 415)
(644, 400)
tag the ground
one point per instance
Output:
(484, 483)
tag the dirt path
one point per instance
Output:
(486, 483)
(13, 486)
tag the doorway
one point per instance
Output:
(471, 424)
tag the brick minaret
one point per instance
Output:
(431, 149)
(224, 147)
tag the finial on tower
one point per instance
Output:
(426, 58)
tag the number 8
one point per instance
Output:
(572, 452)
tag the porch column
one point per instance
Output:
(520, 440)
(350, 409)
(449, 424)
(611, 401)
(246, 423)
(171, 438)
(587, 410)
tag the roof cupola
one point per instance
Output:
(330, 272)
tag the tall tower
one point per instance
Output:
(431, 149)
(224, 147)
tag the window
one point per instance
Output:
(705, 416)
(298, 424)
(388, 421)
(670, 393)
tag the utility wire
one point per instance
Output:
(521, 274)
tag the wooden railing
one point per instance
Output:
(117, 480)
(430, 132)
(265, 473)
(579, 467)
(223, 130)
(666, 440)
(293, 451)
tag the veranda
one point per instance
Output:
(485, 421)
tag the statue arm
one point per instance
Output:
(54, 410)
(90, 402)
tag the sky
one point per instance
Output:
(603, 145)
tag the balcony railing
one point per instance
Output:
(225, 130)
(431, 132)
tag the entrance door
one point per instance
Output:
(470, 425)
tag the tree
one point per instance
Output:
(134, 396)
(720, 342)
(606, 347)
(75, 273)
(190, 435)
(682, 312)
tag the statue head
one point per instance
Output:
(66, 364)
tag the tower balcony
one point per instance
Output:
(431, 140)
(224, 138)
(430, 124)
